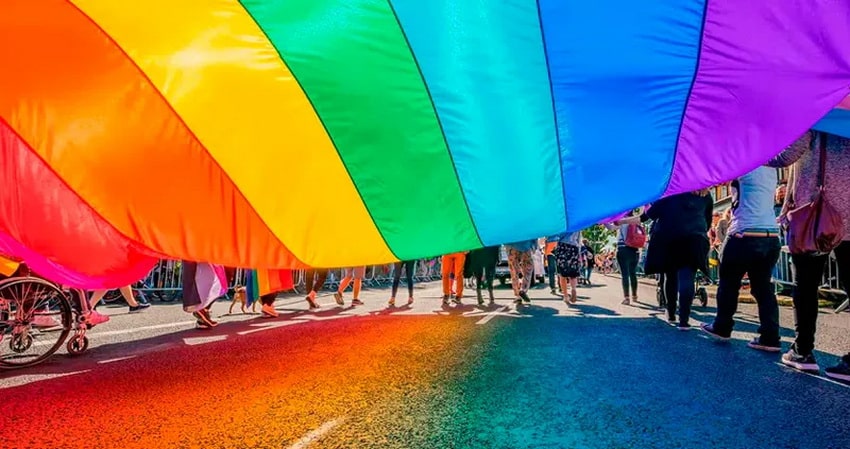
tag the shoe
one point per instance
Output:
(635, 299)
(492, 296)
(96, 318)
(139, 308)
(518, 301)
(391, 302)
(525, 297)
(410, 300)
(206, 313)
(805, 363)
(683, 327)
(709, 329)
(841, 371)
(338, 298)
(356, 302)
(756, 343)
(457, 299)
(626, 302)
(269, 311)
(203, 319)
(312, 302)
(44, 321)
(445, 300)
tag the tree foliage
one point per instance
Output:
(599, 237)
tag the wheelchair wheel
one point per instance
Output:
(35, 319)
(78, 344)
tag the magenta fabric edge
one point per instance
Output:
(66, 277)
(712, 128)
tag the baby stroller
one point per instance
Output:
(701, 293)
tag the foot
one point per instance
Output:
(45, 321)
(554, 292)
(518, 301)
(457, 299)
(683, 327)
(671, 320)
(391, 302)
(356, 302)
(841, 371)
(800, 362)
(338, 298)
(766, 346)
(139, 307)
(203, 319)
(312, 302)
(709, 329)
(626, 302)
(96, 318)
(574, 297)
(525, 297)
(410, 300)
(445, 300)
(492, 296)
(635, 299)
(269, 311)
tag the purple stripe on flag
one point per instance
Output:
(768, 71)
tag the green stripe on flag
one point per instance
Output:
(353, 62)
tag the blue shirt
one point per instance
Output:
(523, 246)
(752, 202)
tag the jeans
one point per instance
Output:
(316, 279)
(680, 284)
(809, 273)
(755, 256)
(552, 268)
(627, 258)
(408, 269)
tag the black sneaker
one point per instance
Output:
(140, 307)
(757, 343)
(806, 363)
(709, 329)
(445, 300)
(841, 371)
(525, 297)
(671, 320)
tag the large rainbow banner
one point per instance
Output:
(329, 133)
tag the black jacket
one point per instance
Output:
(680, 233)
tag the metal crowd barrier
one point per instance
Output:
(166, 277)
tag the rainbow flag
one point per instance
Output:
(203, 283)
(264, 281)
(8, 266)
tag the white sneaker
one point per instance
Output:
(44, 321)
(269, 311)
(96, 318)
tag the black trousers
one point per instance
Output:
(627, 259)
(755, 256)
(316, 279)
(408, 269)
(809, 270)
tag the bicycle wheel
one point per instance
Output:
(35, 318)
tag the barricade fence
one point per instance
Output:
(166, 277)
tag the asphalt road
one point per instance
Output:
(595, 375)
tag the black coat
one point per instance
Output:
(481, 258)
(679, 236)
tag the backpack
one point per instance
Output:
(635, 236)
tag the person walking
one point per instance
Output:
(819, 162)
(678, 248)
(481, 263)
(407, 265)
(353, 276)
(551, 265)
(627, 257)
(589, 259)
(521, 264)
(751, 247)
(452, 270)
(568, 256)
(315, 281)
